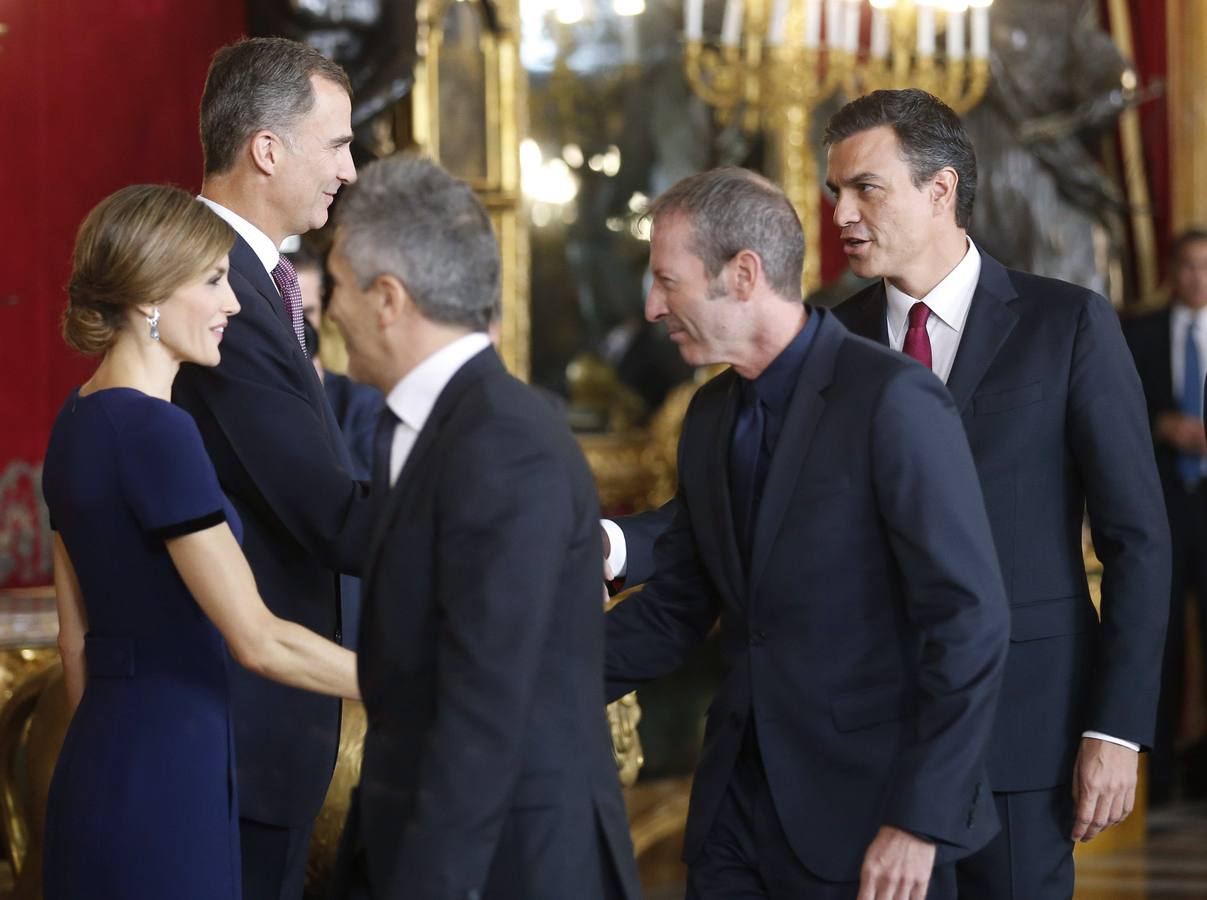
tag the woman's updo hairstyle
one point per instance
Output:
(136, 246)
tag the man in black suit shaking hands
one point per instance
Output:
(829, 517)
(488, 767)
(275, 129)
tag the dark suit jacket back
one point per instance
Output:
(865, 645)
(1055, 417)
(281, 460)
(487, 763)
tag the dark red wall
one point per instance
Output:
(94, 95)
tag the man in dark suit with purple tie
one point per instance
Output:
(275, 129)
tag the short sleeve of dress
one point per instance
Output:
(166, 474)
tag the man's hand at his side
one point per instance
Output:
(1104, 786)
(897, 866)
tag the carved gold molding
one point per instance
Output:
(504, 92)
(1186, 32)
(1144, 235)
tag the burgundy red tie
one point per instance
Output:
(286, 280)
(917, 341)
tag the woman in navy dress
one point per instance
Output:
(149, 575)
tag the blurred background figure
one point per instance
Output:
(1170, 347)
(356, 406)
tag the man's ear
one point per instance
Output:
(744, 272)
(266, 149)
(393, 300)
(943, 190)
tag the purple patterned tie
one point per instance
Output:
(286, 280)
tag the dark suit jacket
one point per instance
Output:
(1150, 342)
(487, 766)
(281, 460)
(356, 407)
(1056, 419)
(866, 645)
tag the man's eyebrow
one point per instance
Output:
(340, 141)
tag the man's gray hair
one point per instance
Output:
(407, 217)
(255, 84)
(732, 209)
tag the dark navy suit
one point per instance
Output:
(1055, 416)
(865, 642)
(488, 769)
(280, 458)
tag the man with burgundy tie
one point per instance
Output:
(276, 129)
(1055, 416)
(829, 518)
(1170, 348)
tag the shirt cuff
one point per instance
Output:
(619, 557)
(1098, 735)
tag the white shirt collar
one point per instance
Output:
(1184, 315)
(413, 398)
(259, 242)
(949, 300)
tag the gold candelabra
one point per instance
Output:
(772, 67)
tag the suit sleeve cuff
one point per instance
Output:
(1098, 735)
(619, 557)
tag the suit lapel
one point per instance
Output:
(990, 321)
(715, 474)
(800, 424)
(869, 316)
(479, 366)
(243, 260)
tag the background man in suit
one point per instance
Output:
(275, 128)
(487, 769)
(829, 515)
(1170, 348)
(1055, 417)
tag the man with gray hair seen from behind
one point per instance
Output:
(488, 768)
(275, 130)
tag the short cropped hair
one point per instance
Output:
(136, 246)
(1184, 239)
(254, 84)
(732, 209)
(929, 132)
(406, 216)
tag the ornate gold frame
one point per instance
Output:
(506, 97)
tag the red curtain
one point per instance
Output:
(1151, 61)
(94, 95)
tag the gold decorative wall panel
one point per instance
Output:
(465, 113)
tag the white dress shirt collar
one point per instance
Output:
(414, 397)
(950, 299)
(1183, 316)
(259, 242)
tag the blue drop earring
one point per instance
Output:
(153, 321)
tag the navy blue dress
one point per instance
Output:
(142, 805)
